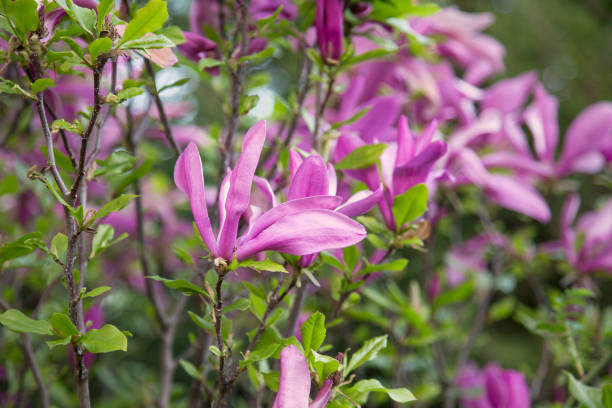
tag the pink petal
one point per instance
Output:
(305, 233)
(323, 395)
(294, 385)
(310, 179)
(240, 182)
(189, 179)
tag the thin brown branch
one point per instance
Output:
(160, 109)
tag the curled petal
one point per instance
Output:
(416, 170)
(323, 395)
(305, 233)
(310, 179)
(294, 385)
(360, 202)
(405, 142)
(517, 196)
(510, 94)
(239, 192)
(189, 179)
(290, 208)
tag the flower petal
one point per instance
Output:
(305, 233)
(416, 170)
(323, 395)
(360, 202)
(240, 182)
(289, 208)
(310, 179)
(189, 179)
(294, 385)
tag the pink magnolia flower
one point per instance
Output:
(298, 227)
(294, 385)
(492, 387)
(587, 245)
(329, 24)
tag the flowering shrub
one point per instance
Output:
(385, 220)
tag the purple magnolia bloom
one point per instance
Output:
(492, 387)
(404, 164)
(294, 385)
(470, 256)
(196, 46)
(588, 245)
(298, 227)
(329, 25)
(259, 9)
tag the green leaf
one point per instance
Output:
(61, 342)
(352, 119)
(117, 204)
(324, 365)
(104, 340)
(215, 350)
(84, 17)
(351, 257)
(183, 286)
(606, 396)
(58, 124)
(128, 93)
(265, 265)
(59, 244)
(183, 255)
(147, 42)
(248, 102)
(118, 162)
(41, 84)
(257, 57)
(99, 46)
(410, 205)
(173, 33)
(16, 321)
(395, 265)
(104, 239)
(147, 19)
(22, 246)
(191, 369)
(384, 9)
(502, 309)
(62, 325)
(209, 63)
(22, 16)
(313, 332)
(260, 354)
(179, 82)
(239, 304)
(364, 387)
(10, 87)
(455, 295)
(104, 8)
(96, 292)
(367, 352)
(590, 397)
(362, 157)
(201, 322)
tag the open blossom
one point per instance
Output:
(404, 164)
(587, 244)
(294, 385)
(329, 25)
(492, 387)
(300, 226)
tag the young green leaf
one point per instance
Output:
(362, 157)
(147, 19)
(606, 396)
(60, 342)
(367, 352)
(265, 265)
(84, 17)
(590, 397)
(59, 244)
(10, 87)
(96, 292)
(22, 16)
(239, 304)
(313, 331)
(16, 321)
(191, 369)
(146, 42)
(62, 325)
(117, 204)
(41, 84)
(410, 205)
(99, 46)
(104, 340)
(183, 286)
(364, 387)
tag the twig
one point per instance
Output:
(40, 107)
(317, 139)
(42, 388)
(160, 109)
(14, 123)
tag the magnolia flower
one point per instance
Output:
(493, 387)
(294, 385)
(298, 227)
(329, 25)
(404, 164)
(588, 245)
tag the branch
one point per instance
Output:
(160, 109)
